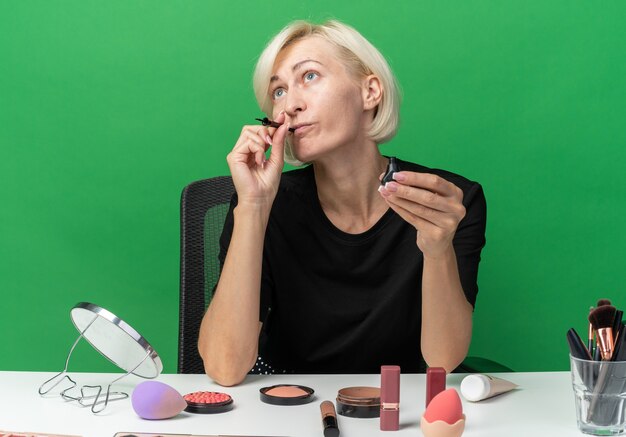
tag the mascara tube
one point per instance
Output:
(329, 419)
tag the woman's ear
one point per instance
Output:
(372, 92)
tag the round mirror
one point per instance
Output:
(116, 340)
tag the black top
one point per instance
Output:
(334, 302)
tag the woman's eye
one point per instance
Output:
(310, 76)
(278, 93)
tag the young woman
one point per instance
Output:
(325, 270)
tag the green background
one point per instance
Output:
(109, 108)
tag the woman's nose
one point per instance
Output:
(295, 102)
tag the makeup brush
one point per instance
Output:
(618, 385)
(604, 383)
(602, 320)
(576, 346)
(601, 302)
(619, 353)
(578, 350)
(594, 350)
(617, 323)
(590, 335)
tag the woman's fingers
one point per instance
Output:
(425, 213)
(435, 229)
(419, 223)
(254, 179)
(427, 204)
(256, 140)
(436, 209)
(430, 182)
(431, 204)
(259, 145)
(277, 154)
(428, 190)
(251, 142)
(421, 196)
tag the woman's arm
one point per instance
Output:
(446, 313)
(229, 332)
(434, 206)
(228, 340)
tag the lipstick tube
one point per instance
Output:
(329, 419)
(390, 398)
(435, 382)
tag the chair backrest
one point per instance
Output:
(203, 208)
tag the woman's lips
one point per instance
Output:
(302, 129)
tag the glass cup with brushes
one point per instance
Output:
(598, 371)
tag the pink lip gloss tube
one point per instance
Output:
(390, 398)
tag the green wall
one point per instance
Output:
(108, 108)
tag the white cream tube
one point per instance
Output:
(475, 388)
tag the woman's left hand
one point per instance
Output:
(433, 205)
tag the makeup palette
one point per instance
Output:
(360, 402)
(208, 402)
(286, 394)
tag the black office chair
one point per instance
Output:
(203, 208)
(204, 205)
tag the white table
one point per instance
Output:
(542, 406)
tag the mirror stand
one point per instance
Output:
(116, 341)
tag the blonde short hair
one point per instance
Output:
(359, 56)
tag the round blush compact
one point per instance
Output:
(287, 394)
(208, 402)
(361, 402)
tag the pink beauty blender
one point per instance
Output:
(444, 416)
(155, 400)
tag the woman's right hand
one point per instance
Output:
(256, 178)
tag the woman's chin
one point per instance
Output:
(310, 151)
(302, 154)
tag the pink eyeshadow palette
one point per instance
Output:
(287, 394)
(208, 402)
